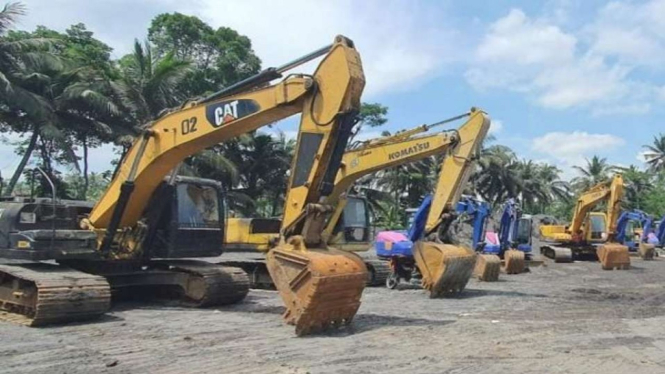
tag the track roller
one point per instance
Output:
(558, 254)
(378, 272)
(209, 284)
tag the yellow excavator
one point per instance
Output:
(150, 220)
(589, 233)
(348, 227)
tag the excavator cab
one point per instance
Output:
(523, 235)
(597, 223)
(189, 220)
(354, 225)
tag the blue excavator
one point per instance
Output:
(514, 232)
(627, 234)
(398, 250)
(660, 232)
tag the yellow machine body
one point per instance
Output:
(241, 235)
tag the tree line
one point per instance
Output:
(66, 94)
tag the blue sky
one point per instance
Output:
(562, 79)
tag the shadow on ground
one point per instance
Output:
(471, 293)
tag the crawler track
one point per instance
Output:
(379, 271)
(210, 284)
(37, 294)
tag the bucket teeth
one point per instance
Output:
(321, 288)
(445, 268)
(613, 256)
(487, 268)
(515, 262)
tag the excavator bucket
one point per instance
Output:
(515, 263)
(321, 288)
(613, 256)
(487, 268)
(445, 268)
(646, 251)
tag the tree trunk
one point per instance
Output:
(86, 180)
(21, 165)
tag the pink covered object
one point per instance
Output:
(492, 238)
(390, 236)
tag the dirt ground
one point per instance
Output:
(561, 318)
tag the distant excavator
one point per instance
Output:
(590, 234)
(511, 247)
(149, 217)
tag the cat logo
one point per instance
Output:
(222, 113)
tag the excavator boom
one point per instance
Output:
(447, 268)
(320, 286)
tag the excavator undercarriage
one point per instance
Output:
(37, 294)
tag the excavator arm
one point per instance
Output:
(382, 153)
(447, 268)
(456, 170)
(385, 154)
(236, 110)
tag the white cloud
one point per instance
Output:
(525, 41)
(536, 57)
(642, 156)
(496, 126)
(401, 43)
(632, 32)
(568, 149)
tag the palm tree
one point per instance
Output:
(496, 177)
(556, 189)
(596, 170)
(148, 85)
(637, 185)
(18, 60)
(46, 97)
(655, 154)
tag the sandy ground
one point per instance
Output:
(561, 318)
